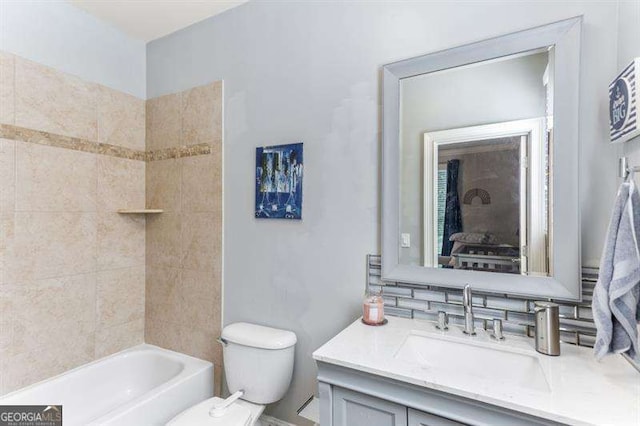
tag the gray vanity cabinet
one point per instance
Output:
(419, 418)
(355, 398)
(357, 409)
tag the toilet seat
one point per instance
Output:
(240, 413)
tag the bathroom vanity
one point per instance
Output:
(410, 373)
(479, 187)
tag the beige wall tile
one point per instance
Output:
(163, 121)
(29, 367)
(183, 306)
(119, 337)
(201, 241)
(160, 333)
(7, 88)
(54, 179)
(7, 238)
(217, 380)
(57, 312)
(198, 343)
(52, 101)
(51, 245)
(54, 335)
(217, 160)
(47, 312)
(201, 184)
(163, 294)
(202, 114)
(121, 119)
(120, 296)
(163, 239)
(7, 319)
(121, 183)
(6, 334)
(200, 300)
(7, 177)
(120, 240)
(163, 184)
(7, 202)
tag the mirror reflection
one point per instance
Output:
(475, 166)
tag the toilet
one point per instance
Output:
(258, 364)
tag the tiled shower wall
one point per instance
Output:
(424, 302)
(184, 244)
(72, 270)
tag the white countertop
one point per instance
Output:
(581, 390)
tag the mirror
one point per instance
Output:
(470, 191)
(474, 172)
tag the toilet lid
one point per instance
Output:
(236, 415)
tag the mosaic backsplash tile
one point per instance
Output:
(424, 302)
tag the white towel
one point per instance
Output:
(616, 298)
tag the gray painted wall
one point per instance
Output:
(629, 48)
(470, 96)
(59, 35)
(309, 72)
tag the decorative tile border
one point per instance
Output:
(179, 152)
(22, 134)
(121, 152)
(424, 302)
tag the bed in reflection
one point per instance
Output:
(481, 252)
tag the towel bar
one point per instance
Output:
(623, 168)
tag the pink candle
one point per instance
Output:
(373, 310)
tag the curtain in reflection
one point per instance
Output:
(452, 213)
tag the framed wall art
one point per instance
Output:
(279, 171)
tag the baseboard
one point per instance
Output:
(272, 421)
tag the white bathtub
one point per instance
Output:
(143, 385)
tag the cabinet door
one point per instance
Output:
(419, 418)
(356, 409)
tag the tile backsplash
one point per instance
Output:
(424, 302)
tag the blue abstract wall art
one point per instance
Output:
(279, 182)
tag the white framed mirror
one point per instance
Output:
(480, 165)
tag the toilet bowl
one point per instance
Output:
(239, 413)
(258, 365)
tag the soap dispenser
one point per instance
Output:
(547, 334)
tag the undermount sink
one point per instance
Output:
(482, 361)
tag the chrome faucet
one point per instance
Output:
(467, 303)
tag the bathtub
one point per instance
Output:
(143, 385)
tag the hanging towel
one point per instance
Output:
(616, 298)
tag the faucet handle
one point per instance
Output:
(467, 299)
(497, 330)
(443, 321)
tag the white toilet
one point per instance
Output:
(258, 364)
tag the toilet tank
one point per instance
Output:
(258, 360)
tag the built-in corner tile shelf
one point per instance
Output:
(140, 211)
